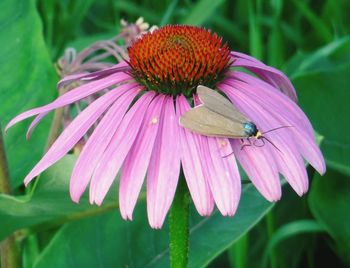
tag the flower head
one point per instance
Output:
(176, 59)
(138, 133)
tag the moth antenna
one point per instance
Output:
(272, 144)
(275, 129)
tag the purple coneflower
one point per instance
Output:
(138, 132)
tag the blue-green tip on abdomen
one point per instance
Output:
(250, 129)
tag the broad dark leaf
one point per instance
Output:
(27, 80)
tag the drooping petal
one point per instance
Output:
(72, 96)
(136, 163)
(305, 144)
(164, 167)
(221, 171)
(290, 164)
(191, 159)
(70, 78)
(76, 130)
(286, 156)
(269, 74)
(260, 168)
(97, 144)
(120, 67)
(34, 123)
(258, 162)
(115, 153)
(265, 94)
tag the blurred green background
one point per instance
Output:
(309, 40)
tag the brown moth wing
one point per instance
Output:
(206, 122)
(217, 103)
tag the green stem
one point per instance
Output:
(55, 127)
(9, 250)
(4, 176)
(179, 226)
(270, 225)
(238, 253)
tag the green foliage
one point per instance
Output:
(289, 230)
(309, 39)
(329, 203)
(49, 204)
(201, 12)
(140, 246)
(27, 80)
(321, 80)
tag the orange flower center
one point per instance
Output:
(176, 59)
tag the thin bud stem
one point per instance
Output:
(56, 122)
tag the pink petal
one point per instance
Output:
(221, 171)
(97, 144)
(265, 94)
(288, 159)
(136, 163)
(70, 78)
(120, 67)
(258, 162)
(260, 168)
(34, 123)
(291, 165)
(164, 168)
(72, 96)
(305, 143)
(76, 129)
(269, 74)
(115, 153)
(222, 174)
(191, 159)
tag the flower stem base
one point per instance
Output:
(179, 226)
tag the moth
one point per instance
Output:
(218, 117)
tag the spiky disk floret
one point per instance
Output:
(176, 59)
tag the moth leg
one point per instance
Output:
(246, 144)
(262, 143)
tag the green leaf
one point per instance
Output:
(324, 59)
(108, 242)
(111, 242)
(289, 253)
(317, 23)
(275, 42)
(50, 203)
(329, 203)
(169, 13)
(322, 81)
(202, 11)
(287, 231)
(27, 80)
(136, 9)
(255, 36)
